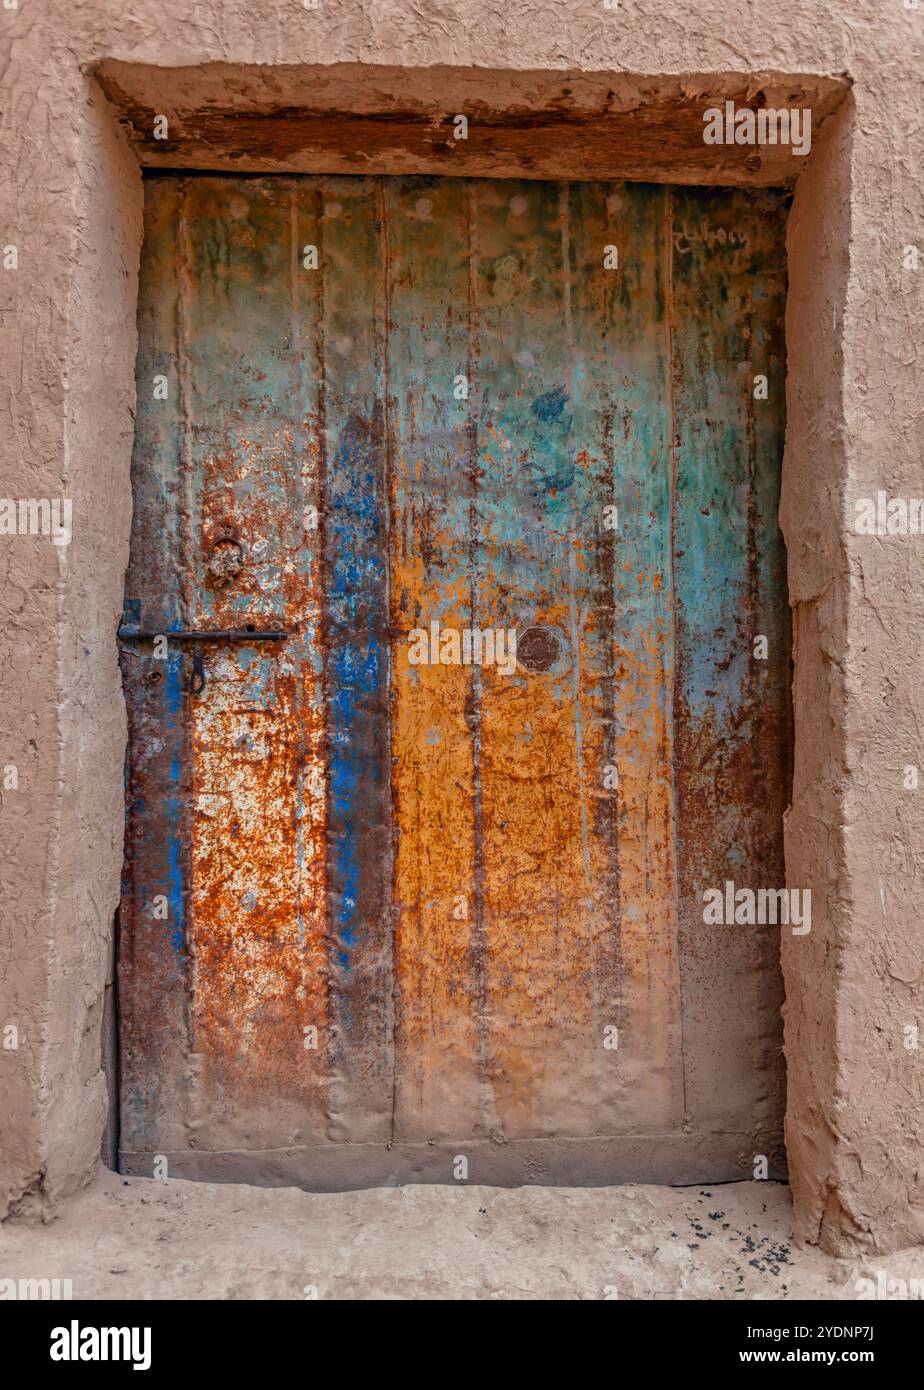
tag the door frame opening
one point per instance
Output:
(376, 119)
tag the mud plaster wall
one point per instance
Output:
(71, 202)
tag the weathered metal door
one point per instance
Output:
(386, 906)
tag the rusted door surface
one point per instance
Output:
(380, 913)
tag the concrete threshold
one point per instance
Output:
(139, 1238)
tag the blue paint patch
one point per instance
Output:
(357, 666)
(174, 685)
(176, 900)
(549, 407)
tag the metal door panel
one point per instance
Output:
(406, 904)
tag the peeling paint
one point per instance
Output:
(428, 864)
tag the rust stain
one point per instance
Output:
(258, 846)
(464, 879)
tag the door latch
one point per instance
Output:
(130, 630)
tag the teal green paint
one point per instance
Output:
(587, 390)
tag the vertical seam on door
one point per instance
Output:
(187, 617)
(477, 947)
(674, 684)
(389, 875)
